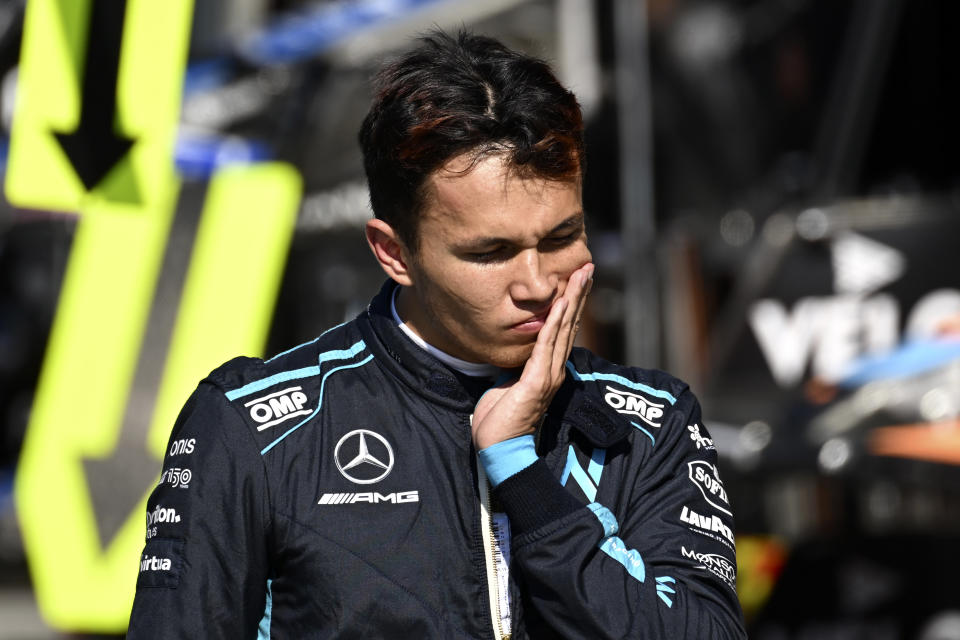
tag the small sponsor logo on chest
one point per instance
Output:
(363, 456)
(370, 497)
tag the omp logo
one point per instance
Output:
(635, 405)
(177, 477)
(399, 497)
(706, 478)
(277, 407)
(153, 563)
(715, 564)
(713, 524)
(161, 514)
(701, 440)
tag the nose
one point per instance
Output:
(534, 283)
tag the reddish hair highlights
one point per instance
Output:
(468, 94)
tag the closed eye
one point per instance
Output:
(491, 255)
(560, 241)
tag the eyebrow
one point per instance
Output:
(576, 220)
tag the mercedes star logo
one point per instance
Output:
(358, 462)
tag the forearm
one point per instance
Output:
(586, 576)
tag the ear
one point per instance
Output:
(389, 250)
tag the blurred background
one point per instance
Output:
(773, 192)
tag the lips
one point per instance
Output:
(532, 324)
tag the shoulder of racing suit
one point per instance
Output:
(608, 402)
(274, 395)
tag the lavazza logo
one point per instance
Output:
(365, 457)
(270, 410)
(635, 405)
(705, 477)
(707, 524)
(715, 564)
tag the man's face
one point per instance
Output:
(495, 251)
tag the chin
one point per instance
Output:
(510, 357)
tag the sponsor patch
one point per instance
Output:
(363, 456)
(711, 526)
(161, 563)
(634, 404)
(182, 446)
(278, 407)
(715, 563)
(370, 497)
(700, 440)
(177, 477)
(160, 515)
(705, 477)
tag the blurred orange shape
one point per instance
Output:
(931, 441)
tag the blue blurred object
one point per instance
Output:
(6, 489)
(911, 358)
(204, 75)
(4, 153)
(307, 33)
(199, 156)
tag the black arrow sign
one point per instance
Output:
(95, 148)
(117, 482)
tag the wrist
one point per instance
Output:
(485, 441)
(507, 458)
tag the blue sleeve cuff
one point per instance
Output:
(507, 458)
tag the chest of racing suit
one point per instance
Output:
(333, 492)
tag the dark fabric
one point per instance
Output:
(266, 483)
(533, 498)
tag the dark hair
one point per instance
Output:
(450, 96)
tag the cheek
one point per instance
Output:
(483, 291)
(472, 292)
(576, 257)
(571, 260)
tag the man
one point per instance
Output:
(336, 490)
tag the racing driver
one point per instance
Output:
(446, 464)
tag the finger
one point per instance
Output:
(573, 293)
(579, 284)
(581, 304)
(541, 356)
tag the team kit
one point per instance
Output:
(372, 512)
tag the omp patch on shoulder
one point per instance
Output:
(161, 563)
(635, 403)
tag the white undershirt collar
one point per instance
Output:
(474, 369)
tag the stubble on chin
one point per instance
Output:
(511, 357)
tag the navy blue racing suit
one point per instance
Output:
(333, 491)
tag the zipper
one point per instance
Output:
(491, 551)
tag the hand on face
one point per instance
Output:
(513, 409)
